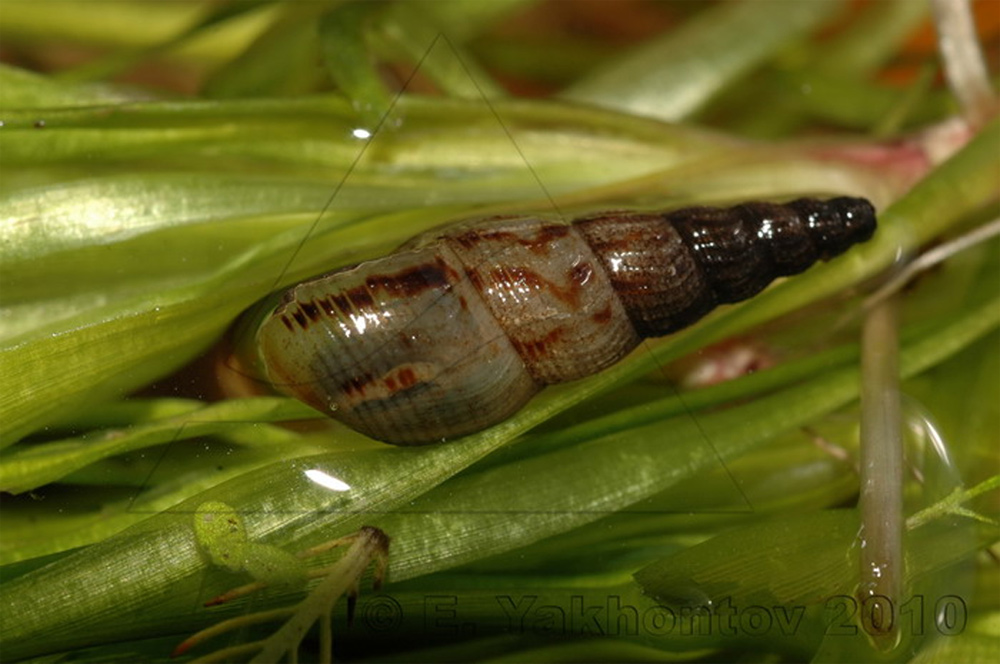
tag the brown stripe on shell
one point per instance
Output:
(539, 243)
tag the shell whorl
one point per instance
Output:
(671, 269)
(447, 338)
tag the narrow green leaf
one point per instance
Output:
(20, 89)
(343, 33)
(674, 75)
(439, 55)
(132, 24)
(31, 467)
(872, 38)
(280, 61)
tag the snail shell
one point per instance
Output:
(456, 331)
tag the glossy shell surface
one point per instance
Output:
(455, 332)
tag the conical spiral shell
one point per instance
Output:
(445, 339)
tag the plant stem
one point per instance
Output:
(962, 55)
(881, 502)
(933, 257)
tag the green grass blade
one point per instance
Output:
(31, 467)
(349, 62)
(20, 88)
(675, 75)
